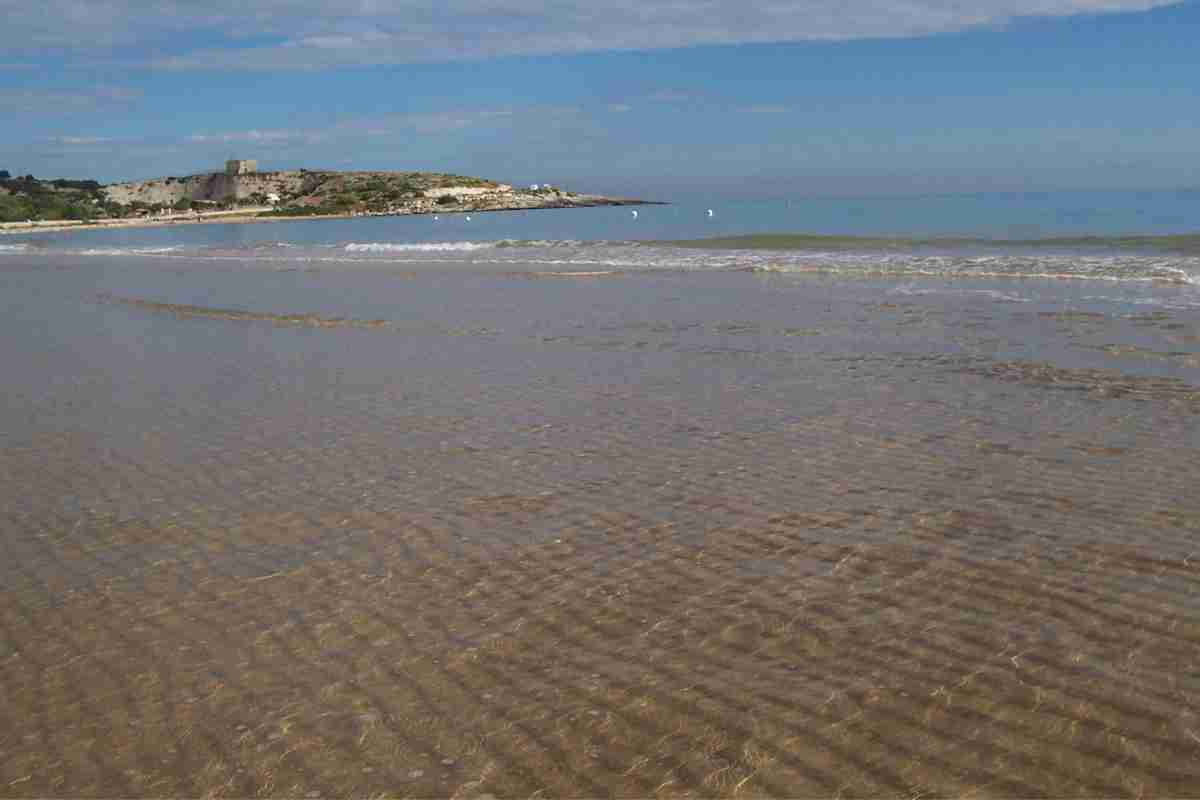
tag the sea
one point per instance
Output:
(780, 496)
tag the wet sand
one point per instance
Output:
(652, 536)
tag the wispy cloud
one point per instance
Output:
(763, 109)
(266, 136)
(672, 96)
(66, 101)
(312, 34)
(432, 123)
(80, 141)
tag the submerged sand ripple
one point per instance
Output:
(237, 315)
(831, 565)
(767, 659)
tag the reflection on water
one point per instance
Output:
(645, 534)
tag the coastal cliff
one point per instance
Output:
(315, 192)
(246, 195)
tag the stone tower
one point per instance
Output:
(239, 166)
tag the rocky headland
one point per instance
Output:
(315, 192)
(243, 196)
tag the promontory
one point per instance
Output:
(241, 192)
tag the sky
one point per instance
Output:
(666, 96)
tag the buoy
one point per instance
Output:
(710, 212)
(634, 214)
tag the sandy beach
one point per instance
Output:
(241, 215)
(831, 431)
(519, 202)
(580, 538)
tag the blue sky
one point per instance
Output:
(820, 96)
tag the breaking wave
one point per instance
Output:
(417, 247)
(547, 256)
(470, 247)
(1163, 269)
(129, 251)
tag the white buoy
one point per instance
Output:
(634, 214)
(468, 218)
(710, 212)
(436, 217)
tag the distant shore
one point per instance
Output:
(256, 214)
(58, 225)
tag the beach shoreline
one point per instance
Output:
(259, 214)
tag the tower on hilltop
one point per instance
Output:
(240, 166)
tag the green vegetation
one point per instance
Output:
(26, 197)
(316, 192)
(304, 211)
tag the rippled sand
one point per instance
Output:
(664, 536)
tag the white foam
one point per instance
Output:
(1100, 268)
(128, 251)
(994, 294)
(416, 247)
(14, 248)
(1178, 302)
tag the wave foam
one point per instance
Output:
(416, 247)
(129, 251)
(501, 244)
(994, 294)
(15, 248)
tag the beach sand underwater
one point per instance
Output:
(375, 508)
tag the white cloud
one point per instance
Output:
(66, 101)
(431, 123)
(80, 141)
(672, 96)
(312, 34)
(249, 136)
(764, 109)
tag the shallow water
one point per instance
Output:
(435, 523)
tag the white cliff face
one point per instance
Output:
(290, 185)
(213, 187)
(348, 192)
(460, 192)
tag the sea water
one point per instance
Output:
(899, 492)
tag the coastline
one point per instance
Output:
(256, 214)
